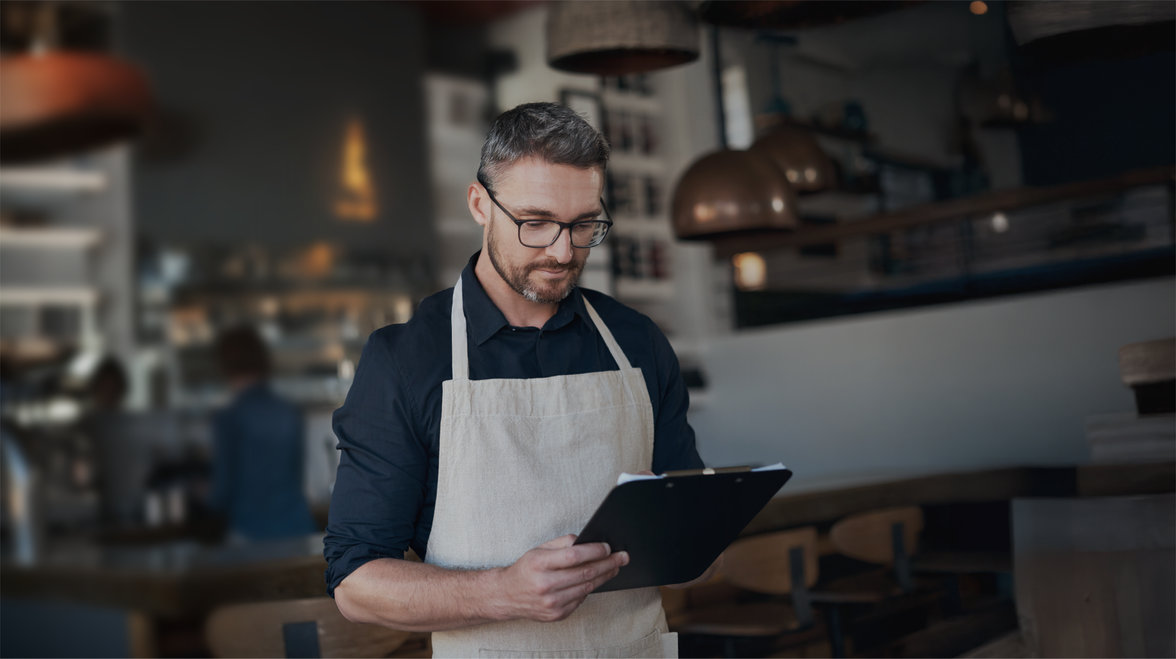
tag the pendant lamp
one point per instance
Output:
(60, 102)
(57, 101)
(619, 37)
(798, 154)
(731, 191)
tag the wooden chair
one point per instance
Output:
(298, 628)
(778, 564)
(887, 537)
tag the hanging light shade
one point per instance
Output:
(619, 37)
(731, 191)
(796, 152)
(61, 102)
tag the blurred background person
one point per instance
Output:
(257, 460)
(120, 469)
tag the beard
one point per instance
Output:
(519, 277)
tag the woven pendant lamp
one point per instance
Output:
(620, 37)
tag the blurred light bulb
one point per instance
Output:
(751, 272)
(1000, 222)
(978, 7)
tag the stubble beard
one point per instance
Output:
(519, 278)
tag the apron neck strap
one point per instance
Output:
(461, 358)
(457, 323)
(613, 347)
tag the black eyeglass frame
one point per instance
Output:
(608, 223)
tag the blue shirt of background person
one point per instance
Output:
(258, 460)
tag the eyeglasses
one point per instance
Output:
(544, 233)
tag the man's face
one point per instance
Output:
(533, 189)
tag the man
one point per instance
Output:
(486, 430)
(257, 461)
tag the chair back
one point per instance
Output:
(879, 536)
(774, 562)
(296, 628)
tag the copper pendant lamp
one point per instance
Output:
(619, 37)
(732, 191)
(55, 102)
(60, 102)
(796, 152)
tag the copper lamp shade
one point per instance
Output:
(619, 37)
(732, 191)
(796, 152)
(62, 102)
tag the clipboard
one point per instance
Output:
(676, 525)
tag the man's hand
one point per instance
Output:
(549, 582)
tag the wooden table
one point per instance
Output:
(173, 583)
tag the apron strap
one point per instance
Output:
(461, 358)
(613, 347)
(457, 322)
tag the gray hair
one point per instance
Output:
(549, 131)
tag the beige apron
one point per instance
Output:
(522, 462)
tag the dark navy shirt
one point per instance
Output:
(389, 426)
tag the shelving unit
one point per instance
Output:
(456, 129)
(65, 256)
(637, 192)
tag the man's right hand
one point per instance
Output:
(549, 582)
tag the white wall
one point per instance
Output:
(962, 386)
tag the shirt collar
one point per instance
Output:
(484, 320)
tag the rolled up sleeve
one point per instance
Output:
(380, 485)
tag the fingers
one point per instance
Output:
(555, 555)
(562, 541)
(590, 574)
(551, 581)
(600, 579)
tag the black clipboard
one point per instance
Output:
(674, 527)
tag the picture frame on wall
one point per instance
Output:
(586, 104)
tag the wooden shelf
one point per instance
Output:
(766, 122)
(50, 238)
(990, 202)
(47, 295)
(57, 179)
